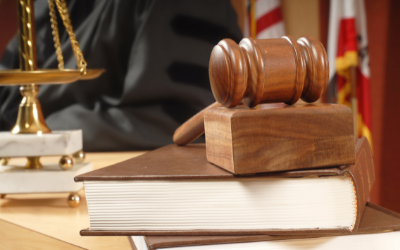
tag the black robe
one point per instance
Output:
(156, 55)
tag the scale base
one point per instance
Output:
(31, 145)
(49, 179)
(67, 144)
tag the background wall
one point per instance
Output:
(8, 22)
(384, 38)
(301, 17)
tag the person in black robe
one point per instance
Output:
(156, 55)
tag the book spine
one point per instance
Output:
(363, 175)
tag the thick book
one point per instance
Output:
(176, 191)
(377, 230)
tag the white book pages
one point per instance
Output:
(382, 241)
(262, 203)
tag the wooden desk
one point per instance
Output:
(45, 221)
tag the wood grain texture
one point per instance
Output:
(192, 128)
(268, 71)
(15, 237)
(279, 137)
(261, 71)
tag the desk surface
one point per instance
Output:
(45, 221)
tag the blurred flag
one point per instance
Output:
(349, 62)
(264, 19)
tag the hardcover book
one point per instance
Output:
(377, 230)
(176, 191)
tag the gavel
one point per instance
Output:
(261, 71)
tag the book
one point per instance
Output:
(279, 137)
(174, 190)
(377, 230)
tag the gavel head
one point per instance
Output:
(268, 71)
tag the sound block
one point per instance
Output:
(279, 137)
(50, 179)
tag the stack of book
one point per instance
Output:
(174, 198)
(270, 176)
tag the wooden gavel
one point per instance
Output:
(261, 71)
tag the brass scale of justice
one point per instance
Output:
(30, 118)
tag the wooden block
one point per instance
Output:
(279, 137)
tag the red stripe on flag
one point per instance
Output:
(347, 36)
(269, 19)
(364, 98)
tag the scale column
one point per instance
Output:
(30, 118)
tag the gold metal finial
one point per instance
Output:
(66, 162)
(79, 156)
(30, 117)
(4, 161)
(26, 35)
(74, 200)
(33, 163)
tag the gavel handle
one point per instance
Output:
(192, 128)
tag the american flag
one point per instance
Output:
(264, 19)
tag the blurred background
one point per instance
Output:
(361, 38)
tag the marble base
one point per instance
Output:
(54, 143)
(50, 179)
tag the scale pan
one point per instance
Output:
(92, 74)
(46, 76)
